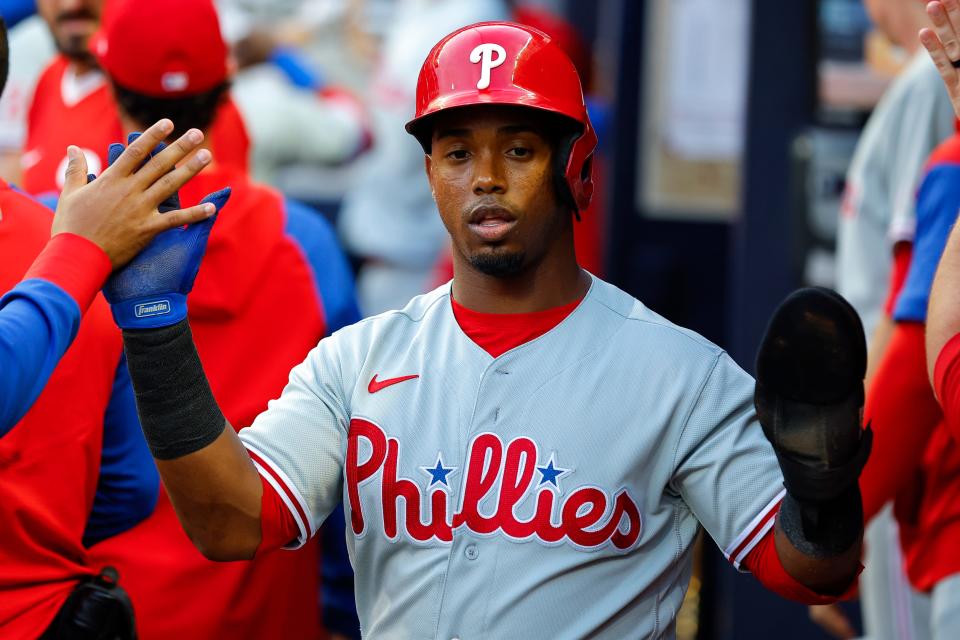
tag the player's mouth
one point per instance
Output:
(491, 222)
(80, 22)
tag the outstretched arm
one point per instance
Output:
(942, 42)
(98, 227)
(207, 472)
(943, 316)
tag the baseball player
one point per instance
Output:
(71, 90)
(70, 464)
(528, 433)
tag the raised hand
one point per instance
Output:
(119, 210)
(151, 291)
(942, 42)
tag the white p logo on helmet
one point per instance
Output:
(483, 53)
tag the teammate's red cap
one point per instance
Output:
(163, 49)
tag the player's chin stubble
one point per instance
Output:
(75, 48)
(498, 264)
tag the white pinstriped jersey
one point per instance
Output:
(554, 491)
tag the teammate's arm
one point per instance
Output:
(943, 45)
(98, 227)
(943, 317)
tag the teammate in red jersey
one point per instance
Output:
(66, 444)
(71, 103)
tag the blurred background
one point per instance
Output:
(726, 128)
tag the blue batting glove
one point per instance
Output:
(151, 291)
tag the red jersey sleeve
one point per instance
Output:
(946, 383)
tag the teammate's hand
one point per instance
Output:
(943, 44)
(152, 290)
(832, 619)
(119, 210)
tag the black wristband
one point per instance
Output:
(177, 410)
(823, 529)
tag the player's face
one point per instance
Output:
(71, 22)
(491, 173)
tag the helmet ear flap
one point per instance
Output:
(561, 179)
(586, 182)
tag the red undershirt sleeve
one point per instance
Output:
(74, 264)
(946, 382)
(277, 525)
(764, 563)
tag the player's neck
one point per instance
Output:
(553, 282)
(81, 68)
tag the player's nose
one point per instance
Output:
(488, 174)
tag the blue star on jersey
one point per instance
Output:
(439, 473)
(551, 473)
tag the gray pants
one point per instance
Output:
(891, 609)
(945, 609)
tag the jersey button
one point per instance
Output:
(471, 552)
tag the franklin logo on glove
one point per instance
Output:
(155, 308)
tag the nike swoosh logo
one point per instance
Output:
(377, 385)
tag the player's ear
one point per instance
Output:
(428, 166)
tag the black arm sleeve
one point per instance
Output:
(177, 410)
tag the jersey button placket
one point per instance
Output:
(471, 552)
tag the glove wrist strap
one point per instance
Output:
(150, 312)
(810, 484)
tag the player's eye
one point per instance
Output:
(519, 152)
(458, 154)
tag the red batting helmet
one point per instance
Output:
(507, 63)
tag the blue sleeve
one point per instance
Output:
(13, 11)
(129, 483)
(297, 69)
(331, 270)
(938, 202)
(38, 321)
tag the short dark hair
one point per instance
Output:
(4, 55)
(187, 112)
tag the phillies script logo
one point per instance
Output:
(587, 517)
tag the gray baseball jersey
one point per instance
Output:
(554, 491)
(879, 205)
